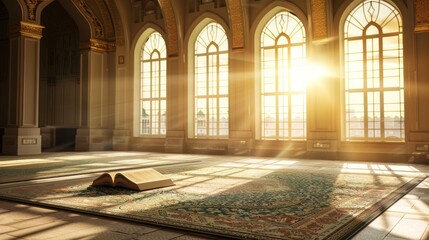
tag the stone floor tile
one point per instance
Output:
(32, 222)
(163, 234)
(93, 234)
(194, 237)
(425, 235)
(15, 217)
(6, 229)
(409, 229)
(49, 230)
(423, 217)
(380, 227)
(7, 237)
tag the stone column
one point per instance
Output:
(95, 131)
(22, 134)
(240, 141)
(417, 113)
(122, 106)
(176, 110)
(323, 125)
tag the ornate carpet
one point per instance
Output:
(236, 202)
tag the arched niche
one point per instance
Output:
(4, 64)
(85, 31)
(14, 10)
(59, 79)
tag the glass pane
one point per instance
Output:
(211, 82)
(153, 86)
(373, 72)
(283, 85)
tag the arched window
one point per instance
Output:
(374, 74)
(210, 111)
(282, 83)
(153, 86)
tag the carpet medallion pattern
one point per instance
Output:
(238, 203)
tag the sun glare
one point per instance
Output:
(315, 72)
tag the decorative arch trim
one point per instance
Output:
(422, 16)
(319, 19)
(272, 9)
(117, 22)
(106, 19)
(171, 26)
(235, 10)
(347, 7)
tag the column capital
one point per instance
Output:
(97, 45)
(26, 29)
(422, 16)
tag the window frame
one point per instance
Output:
(194, 113)
(158, 102)
(365, 89)
(259, 108)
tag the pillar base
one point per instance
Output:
(93, 139)
(22, 141)
(240, 143)
(121, 140)
(175, 142)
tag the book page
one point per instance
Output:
(104, 179)
(142, 179)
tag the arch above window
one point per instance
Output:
(375, 13)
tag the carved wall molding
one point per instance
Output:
(235, 11)
(319, 19)
(106, 17)
(117, 22)
(98, 45)
(422, 16)
(26, 29)
(31, 7)
(99, 32)
(171, 26)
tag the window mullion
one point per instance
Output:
(150, 95)
(159, 97)
(381, 72)
(207, 94)
(277, 92)
(289, 103)
(217, 95)
(365, 87)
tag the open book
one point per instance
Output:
(139, 179)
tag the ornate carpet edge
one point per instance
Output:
(350, 229)
(210, 232)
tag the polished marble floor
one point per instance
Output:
(408, 218)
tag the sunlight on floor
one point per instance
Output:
(378, 168)
(409, 217)
(11, 163)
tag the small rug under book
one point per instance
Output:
(236, 202)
